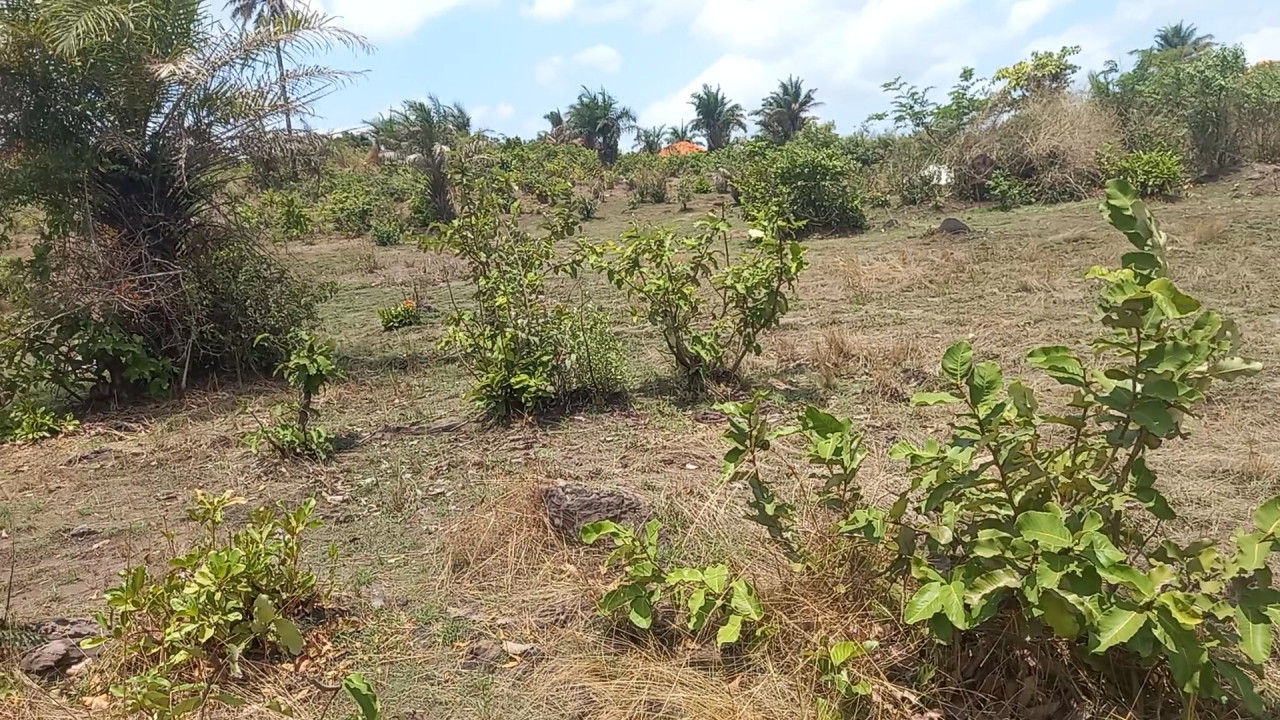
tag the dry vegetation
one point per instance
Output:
(443, 540)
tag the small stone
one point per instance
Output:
(953, 226)
(53, 659)
(70, 629)
(690, 466)
(515, 648)
(81, 532)
(484, 654)
(570, 506)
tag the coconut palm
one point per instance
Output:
(133, 119)
(1181, 36)
(680, 133)
(600, 121)
(716, 117)
(649, 140)
(426, 131)
(259, 12)
(785, 111)
(560, 133)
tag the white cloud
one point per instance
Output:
(1026, 13)
(388, 19)
(1262, 44)
(486, 114)
(549, 9)
(740, 77)
(600, 57)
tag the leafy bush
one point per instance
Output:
(309, 367)
(349, 202)
(701, 185)
(232, 597)
(387, 231)
(1151, 173)
(285, 215)
(709, 595)
(684, 193)
(663, 272)
(809, 187)
(648, 185)
(524, 350)
(1051, 518)
(1007, 191)
(29, 421)
(406, 314)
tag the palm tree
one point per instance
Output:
(560, 133)
(600, 121)
(259, 12)
(715, 116)
(786, 110)
(426, 130)
(680, 133)
(1181, 36)
(649, 140)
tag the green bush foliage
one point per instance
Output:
(525, 351)
(310, 365)
(406, 314)
(349, 202)
(709, 334)
(388, 230)
(1052, 516)
(810, 187)
(182, 634)
(709, 597)
(648, 185)
(1151, 172)
(1007, 191)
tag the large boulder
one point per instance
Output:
(570, 506)
(953, 226)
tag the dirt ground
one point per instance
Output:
(435, 516)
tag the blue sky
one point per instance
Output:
(510, 61)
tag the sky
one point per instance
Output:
(511, 61)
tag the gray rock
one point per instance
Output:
(81, 532)
(484, 654)
(570, 506)
(70, 629)
(953, 226)
(53, 659)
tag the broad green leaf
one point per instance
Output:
(924, 604)
(594, 531)
(730, 631)
(927, 399)
(841, 652)
(1059, 363)
(985, 383)
(1240, 681)
(1154, 416)
(1116, 626)
(641, 614)
(362, 694)
(263, 611)
(1024, 398)
(1059, 615)
(1098, 548)
(680, 575)
(1184, 650)
(1267, 517)
(991, 582)
(1171, 301)
(951, 600)
(745, 602)
(288, 634)
(957, 362)
(716, 578)
(1254, 628)
(699, 608)
(187, 706)
(1046, 529)
(1130, 577)
(1252, 551)
(1233, 368)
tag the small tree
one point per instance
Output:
(716, 117)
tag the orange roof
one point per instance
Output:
(684, 147)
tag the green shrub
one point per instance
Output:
(811, 188)
(1050, 518)
(648, 185)
(524, 351)
(388, 231)
(349, 202)
(709, 596)
(709, 333)
(406, 314)
(684, 193)
(29, 421)
(285, 215)
(310, 366)
(181, 636)
(702, 185)
(1007, 191)
(1151, 173)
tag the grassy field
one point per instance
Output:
(435, 516)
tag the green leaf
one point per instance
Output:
(991, 582)
(1059, 363)
(716, 578)
(289, 636)
(363, 695)
(679, 575)
(1233, 368)
(985, 383)
(841, 652)
(951, 600)
(1024, 399)
(1267, 517)
(745, 602)
(1046, 529)
(187, 706)
(1252, 551)
(594, 531)
(1242, 684)
(924, 604)
(730, 631)
(1254, 628)
(263, 611)
(957, 362)
(1116, 626)
(641, 614)
(928, 399)
(1059, 615)
(1170, 300)
(1154, 416)
(1130, 577)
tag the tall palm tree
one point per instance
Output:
(259, 12)
(426, 130)
(560, 133)
(1181, 36)
(716, 117)
(600, 120)
(785, 111)
(680, 133)
(649, 140)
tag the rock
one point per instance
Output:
(53, 659)
(708, 417)
(484, 654)
(515, 648)
(81, 532)
(953, 226)
(570, 506)
(70, 629)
